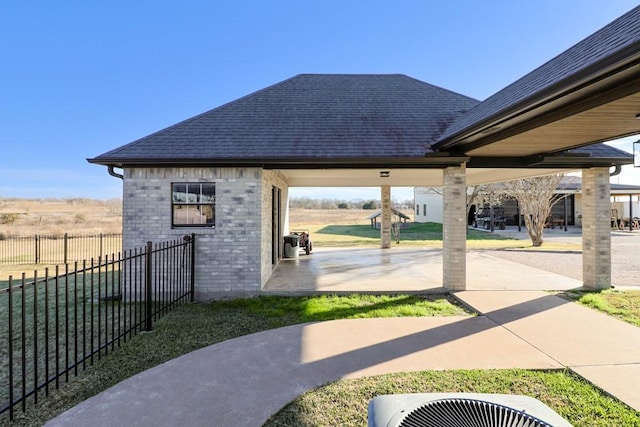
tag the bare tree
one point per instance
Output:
(536, 196)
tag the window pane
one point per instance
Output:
(190, 215)
(193, 204)
(209, 213)
(208, 194)
(193, 193)
(179, 193)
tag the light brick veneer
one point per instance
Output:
(454, 232)
(233, 258)
(596, 228)
(385, 217)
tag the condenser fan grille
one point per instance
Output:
(461, 410)
(467, 413)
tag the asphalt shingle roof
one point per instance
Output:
(570, 66)
(602, 151)
(310, 116)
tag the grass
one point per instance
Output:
(623, 305)
(331, 307)
(427, 234)
(345, 402)
(193, 326)
(67, 317)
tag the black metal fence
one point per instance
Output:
(57, 249)
(55, 325)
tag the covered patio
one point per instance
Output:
(546, 122)
(377, 130)
(402, 270)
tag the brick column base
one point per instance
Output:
(596, 228)
(385, 217)
(454, 228)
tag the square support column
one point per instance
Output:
(454, 228)
(385, 217)
(596, 228)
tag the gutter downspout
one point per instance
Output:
(616, 171)
(118, 175)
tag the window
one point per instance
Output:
(193, 205)
(424, 209)
(417, 209)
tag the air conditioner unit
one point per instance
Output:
(461, 410)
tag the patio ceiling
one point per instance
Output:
(401, 177)
(550, 130)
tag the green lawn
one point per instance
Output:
(344, 403)
(624, 305)
(423, 235)
(192, 326)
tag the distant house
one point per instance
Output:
(428, 204)
(429, 201)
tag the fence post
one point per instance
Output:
(37, 249)
(148, 278)
(66, 247)
(10, 344)
(101, 243)
(193, 267)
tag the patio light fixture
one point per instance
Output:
(385, 174)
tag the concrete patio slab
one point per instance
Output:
(403, 269)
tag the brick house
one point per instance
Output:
(225, 174)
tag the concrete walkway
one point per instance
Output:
(243, 381)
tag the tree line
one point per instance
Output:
(329, 204)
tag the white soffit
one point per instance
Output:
(401, 177)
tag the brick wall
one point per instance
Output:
(271, 179)
(228, 258)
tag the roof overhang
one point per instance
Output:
(598, 104)
(433, 160)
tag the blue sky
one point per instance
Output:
(79, 78)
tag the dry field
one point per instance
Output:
(20, 217)
(87, 216)
(52, 217)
